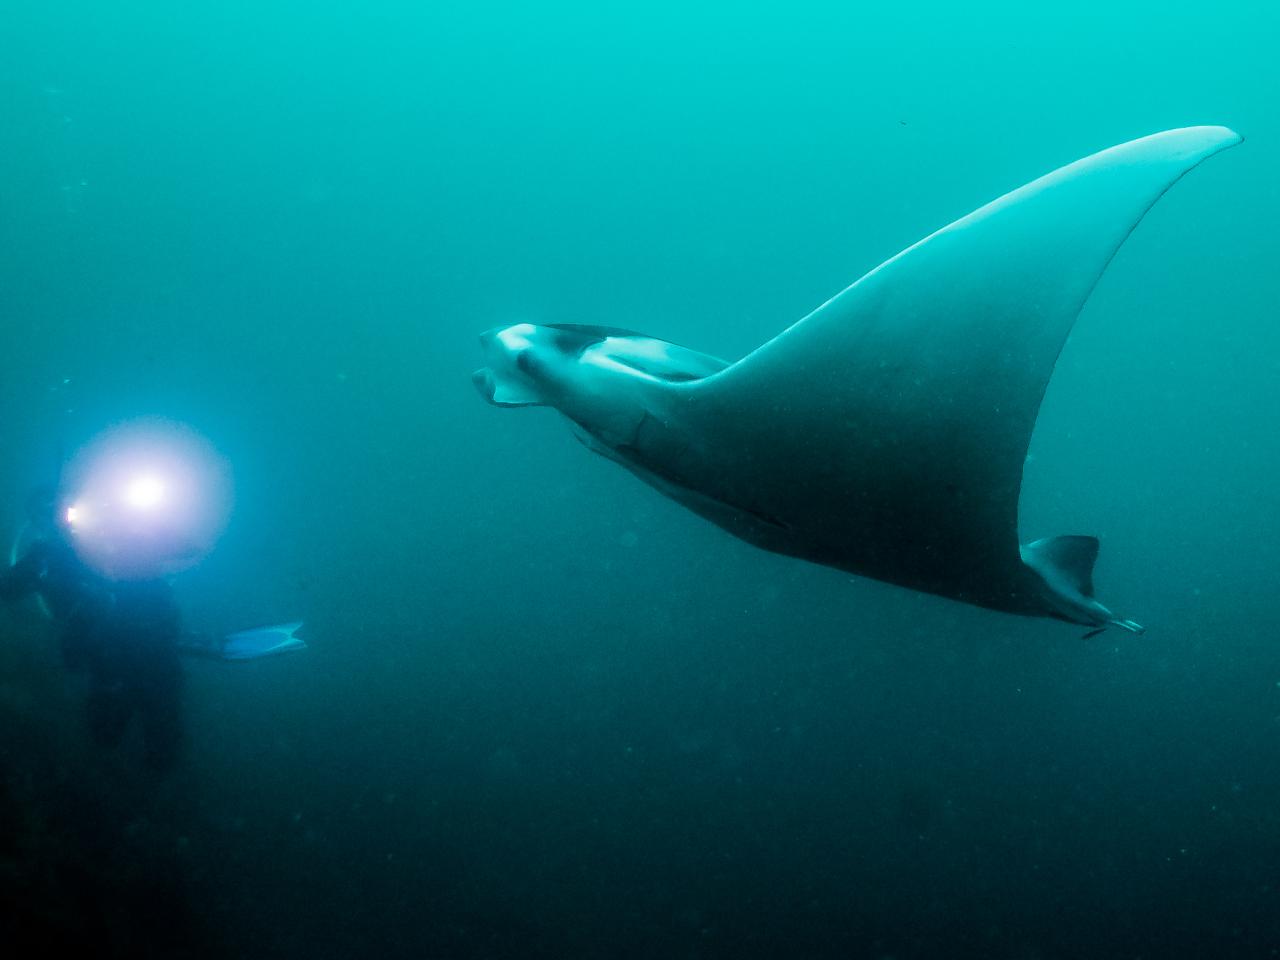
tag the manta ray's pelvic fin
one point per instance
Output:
(1070, 559)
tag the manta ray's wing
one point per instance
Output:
(889, 427)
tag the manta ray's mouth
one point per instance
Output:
(505, 390)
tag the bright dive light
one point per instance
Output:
(157, 493)
(144, 492)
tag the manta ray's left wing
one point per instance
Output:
(890, 426)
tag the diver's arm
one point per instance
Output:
(23, 577)
(10, 585)
(193, 644)
(188, 642)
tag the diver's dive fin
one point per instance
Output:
(262, 642)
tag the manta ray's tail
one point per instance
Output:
(1064, 566)
(1131, 625)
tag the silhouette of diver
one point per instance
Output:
(124, 634)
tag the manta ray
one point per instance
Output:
(885, 433)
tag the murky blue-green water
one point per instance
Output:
(546, 712)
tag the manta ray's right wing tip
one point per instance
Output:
(1229, 137)
(1211, 131)
(1182, 143)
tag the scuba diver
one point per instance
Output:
(126, 634)
(49, 568)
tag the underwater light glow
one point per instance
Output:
(144, 492)
(158, 495)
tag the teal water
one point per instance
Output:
(545, 712)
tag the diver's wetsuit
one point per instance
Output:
(73, 595)
(124, 634)
(136, 670)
